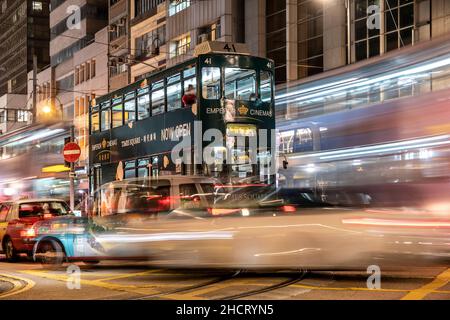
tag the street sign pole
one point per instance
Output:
(72, 173)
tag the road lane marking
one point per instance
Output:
(96, 283)
(441, 280)
(304, 286)
(18, 287)
(128, 275)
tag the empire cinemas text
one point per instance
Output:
(258, 146)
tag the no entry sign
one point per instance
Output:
(71, 152)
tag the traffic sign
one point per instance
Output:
(71, 152)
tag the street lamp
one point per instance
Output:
(48, 109)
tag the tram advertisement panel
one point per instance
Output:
(149, 136)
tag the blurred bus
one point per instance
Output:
(31, 162)
(380, 128)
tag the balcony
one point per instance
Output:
(118, 81)
(118, 44)
(118, 9)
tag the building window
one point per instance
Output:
(37, 6)
(22, 116)
(399, 23)
(176, 6)
(118, 29)
(367, 40)
(88, 71)
(148, 44)
(92, 68)
(276, 37)
(180, 47)
(77, 76)
(81, 75)
(310, 38)
(144, 6)
(209, 33)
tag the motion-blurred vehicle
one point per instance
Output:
(17, 219)
(114, 206)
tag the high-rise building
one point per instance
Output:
(306, 37)
(24, 32)
(73, 25)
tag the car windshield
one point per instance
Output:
(36, 209)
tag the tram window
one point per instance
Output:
(211, 83)
(143, 104)
(95, 124)
(158, 98)
(188, 82)
(130, 169)
(189, 72)
(130, 111)
(304, 140)
(143, 167)
(174, 96)
(105, 119)
(117, 115)
(240, 84)
(265, 86)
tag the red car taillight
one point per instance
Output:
(28, 233)
(288, 208)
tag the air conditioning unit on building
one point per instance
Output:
(202, 37)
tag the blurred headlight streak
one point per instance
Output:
(398, 223)
(176, 236)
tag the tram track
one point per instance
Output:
(273, 287)
(237, 275)
(190, 288)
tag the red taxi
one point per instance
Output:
(17, 219)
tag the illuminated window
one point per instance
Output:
(176, 6)
(180, 46)
(211, 83)
(240, 84)
(22, 116)
(37, 6)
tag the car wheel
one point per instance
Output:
(10, 252)
(50, 253)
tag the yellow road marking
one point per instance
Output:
(97, 283)
(128, 275)
(420, 293)
(348, 288)
(18, 287)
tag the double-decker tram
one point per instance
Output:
(212, 115)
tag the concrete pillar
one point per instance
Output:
(255, 26)
(291, 41)
(334, 34)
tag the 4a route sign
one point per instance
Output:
(71, 152)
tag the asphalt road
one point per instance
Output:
(131, 280)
